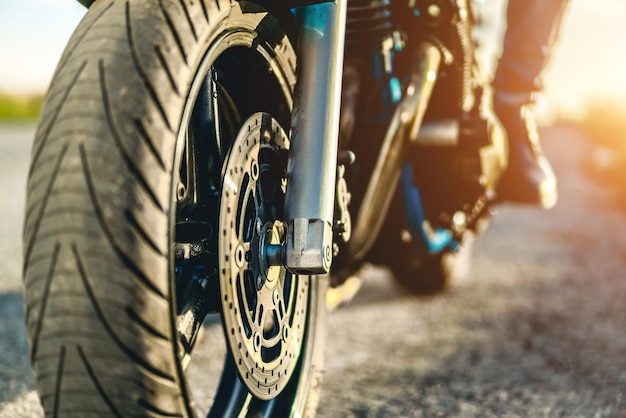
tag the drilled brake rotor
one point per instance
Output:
(264, 306)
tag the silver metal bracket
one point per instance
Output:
(309, 246)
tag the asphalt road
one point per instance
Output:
(17, 396)
(537, 330)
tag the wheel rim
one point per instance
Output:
(284, 296)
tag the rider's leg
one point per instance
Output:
(532, 29)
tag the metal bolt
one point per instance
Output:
(256, 341)
(240, 256)
(434, 10)
(259, 226)
(254, 169)
(180, 191)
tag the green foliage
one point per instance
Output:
(20, 108)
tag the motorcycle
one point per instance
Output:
(230, 162)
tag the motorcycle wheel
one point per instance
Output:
(156, 183)
(412, 267)
(424, 274)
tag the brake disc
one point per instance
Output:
(264, 306)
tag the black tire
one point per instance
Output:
(425, 274)
(413, 268)
(101, 246)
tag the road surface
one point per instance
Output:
(537, 330)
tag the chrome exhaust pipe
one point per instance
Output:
(403, 130)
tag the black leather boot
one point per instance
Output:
(529, 178)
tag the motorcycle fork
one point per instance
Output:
(312, 164)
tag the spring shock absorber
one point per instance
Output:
(463, 28)
(450, 21)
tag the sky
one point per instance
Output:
(33, 34)
(588, 62)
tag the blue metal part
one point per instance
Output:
(378, 66)
(395, 90)
(434, 240)
(383, 68)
